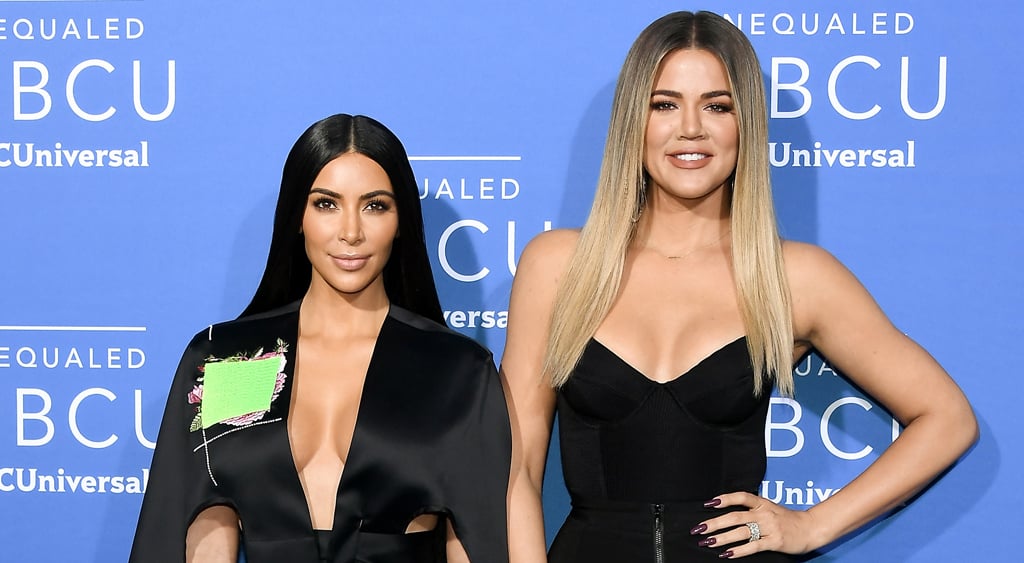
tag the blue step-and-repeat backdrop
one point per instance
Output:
(141, 145)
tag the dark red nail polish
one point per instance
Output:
(698, 529)
(726, 555)
(706, 542)
(713, 503)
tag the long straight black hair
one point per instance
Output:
(408, 281)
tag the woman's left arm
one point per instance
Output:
(834, 314)
(453, 547)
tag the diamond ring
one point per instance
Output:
(755, 531)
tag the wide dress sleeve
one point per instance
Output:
(433, 435)
(478, 458)
(179, 485)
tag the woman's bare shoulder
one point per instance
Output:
(807, 264)
(557, 241)
(805, 254)
(548, 252)
(824, 291)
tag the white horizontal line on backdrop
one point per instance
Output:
(40, 328)
(468, 158)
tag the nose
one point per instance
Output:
(350, 229)
(691, 124)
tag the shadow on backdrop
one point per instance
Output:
(902, 532)
(438, 215)
(795, 189)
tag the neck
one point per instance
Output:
(329, 313)
(676, 226)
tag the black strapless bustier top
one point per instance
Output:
(625, 437)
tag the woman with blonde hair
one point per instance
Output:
(659, 330)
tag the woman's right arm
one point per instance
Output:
(179, 482)
(531, 398)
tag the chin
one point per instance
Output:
(348, 284)
(351, 288)
(691, 193)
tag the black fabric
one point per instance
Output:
(629, 443)
(432, 435)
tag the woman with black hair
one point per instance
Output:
(338, 419)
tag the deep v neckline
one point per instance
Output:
(352, 449)
(681, 376)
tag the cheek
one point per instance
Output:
(383, 230)
(730, 134)
(308, 221)
(658, 133)
(653, 133)
(316, 231)
(650, 143)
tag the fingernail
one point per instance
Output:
(699, 529)
(726, 555)
(706, 542)
(712, 503)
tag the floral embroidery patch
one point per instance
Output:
(195, 396)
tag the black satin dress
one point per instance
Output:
(431, 436)
(640, 457)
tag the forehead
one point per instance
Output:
(352, 171)
(691, 70)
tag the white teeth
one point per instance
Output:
(691, 156)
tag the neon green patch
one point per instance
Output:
(233, 389)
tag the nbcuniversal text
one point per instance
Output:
(34, 480)
(60, 481)
(30, 155)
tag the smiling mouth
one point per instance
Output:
(690, 156)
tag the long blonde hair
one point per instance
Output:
(594, 274)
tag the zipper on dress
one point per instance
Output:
(659, 533)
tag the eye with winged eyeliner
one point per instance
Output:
(377, 200)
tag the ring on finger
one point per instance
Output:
(755, 531)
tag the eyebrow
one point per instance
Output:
(366, 196)
(704, 96)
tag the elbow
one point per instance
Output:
(963, 431)
(526, 482)
(951, 428)
(971, 429)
